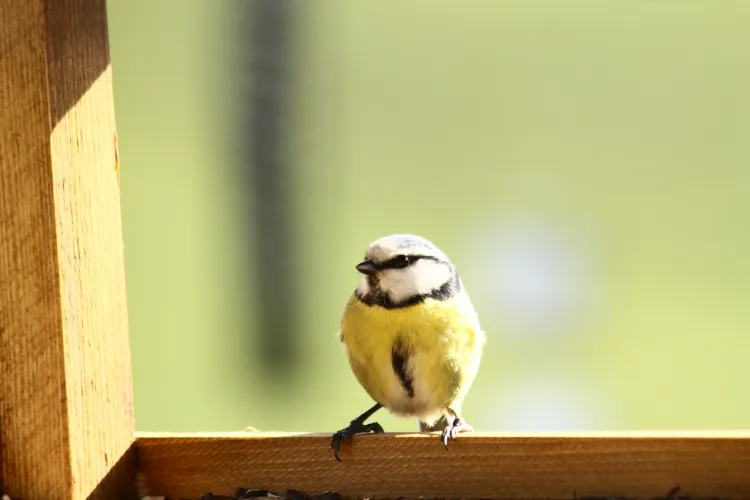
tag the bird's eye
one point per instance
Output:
(399, 262)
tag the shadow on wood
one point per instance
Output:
(119, 481)
(77, 50)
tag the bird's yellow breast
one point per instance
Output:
(442, 340)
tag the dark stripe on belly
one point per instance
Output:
(399, 360)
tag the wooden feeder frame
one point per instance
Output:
(66, 403)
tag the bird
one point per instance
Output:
(412, 338)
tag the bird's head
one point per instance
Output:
(402, 267)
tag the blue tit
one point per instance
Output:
(412, 337)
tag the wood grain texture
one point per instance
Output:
(479, 465)
(66, 411)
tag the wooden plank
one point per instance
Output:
(66, 412)
(480, 465)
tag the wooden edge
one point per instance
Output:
(666, 434)
(555, 465)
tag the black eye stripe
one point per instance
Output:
(398, 262)
(403, 261)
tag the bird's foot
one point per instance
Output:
(346, 434)
(451, 431)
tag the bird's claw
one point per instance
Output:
(346, 434)
(451, 431)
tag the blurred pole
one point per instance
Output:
(264, 143)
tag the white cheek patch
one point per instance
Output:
(364, 286)
(422, 277)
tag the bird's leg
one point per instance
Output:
(457, 426)
(356, 426)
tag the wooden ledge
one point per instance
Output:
(478, 465)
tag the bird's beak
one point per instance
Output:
(367, 267)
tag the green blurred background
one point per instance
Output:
(584, 163)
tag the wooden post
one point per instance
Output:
(66, 407)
